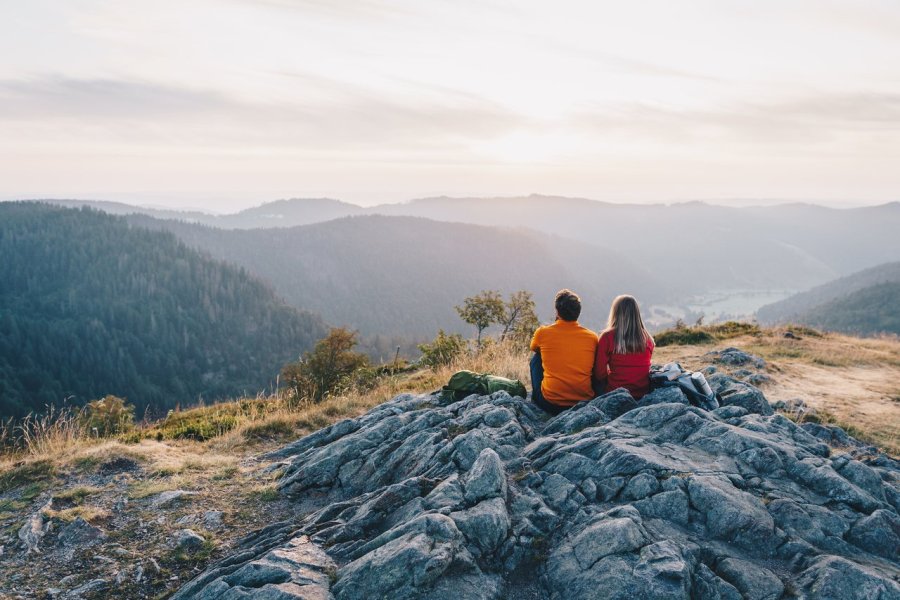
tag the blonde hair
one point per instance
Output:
(631, 337)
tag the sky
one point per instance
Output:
(225, 104)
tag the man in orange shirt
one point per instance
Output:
(563, 361)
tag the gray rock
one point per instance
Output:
(878, 533)
(708, 586)
(406, 566)
(212, 520)
(297, 570)
(605, 537)
(739, 393)
(671, 506)
(732, 514)
(730, 412)
(34, 529)
(735, 357)
(752, 581)
(640, 486)
(836, 578)
(663, 572)
(664, 395)
(93, 586)
(615, 403)
(189, 540)
(169, 498)
(486, 478)
(79, 534)
(759, 379)
(484, 526)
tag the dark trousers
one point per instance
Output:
(537, 377)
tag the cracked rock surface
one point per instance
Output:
(489, 498)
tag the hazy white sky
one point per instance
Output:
(223, 104)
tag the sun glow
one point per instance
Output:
(528, 147)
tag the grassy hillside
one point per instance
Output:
(403, 275)
(91, 306)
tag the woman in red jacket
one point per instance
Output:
(624, 350)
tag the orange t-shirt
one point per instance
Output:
(567, 353)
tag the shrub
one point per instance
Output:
(327, 368)
(443, 350)
(108, 416)
(683, 336)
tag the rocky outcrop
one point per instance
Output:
(489, 498)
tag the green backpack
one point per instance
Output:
(465, 383)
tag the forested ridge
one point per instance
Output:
(90, 305)
(871, 310)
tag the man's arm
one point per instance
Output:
(535, 343)
(601, 361)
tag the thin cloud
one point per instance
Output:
(333, 114)
(54, 96)
(810, 119)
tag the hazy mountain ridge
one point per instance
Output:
(857, 303)
(90, 306)
(404, 275)
(791, 246)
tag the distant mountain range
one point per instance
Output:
(691, 245)
(866, 302)
(404, 275)
(90, 306)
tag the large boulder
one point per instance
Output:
(488, 498)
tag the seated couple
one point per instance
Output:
(571, 363)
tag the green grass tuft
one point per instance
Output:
(682, 335)
(27, 473)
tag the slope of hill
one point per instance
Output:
(403, 275)
(798, 307)
(136, 500)
(91, 306)
(870, 310)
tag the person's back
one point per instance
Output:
(562, 368)
(624, 350)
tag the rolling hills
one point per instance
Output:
(403, 275)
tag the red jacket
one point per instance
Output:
(630, 371)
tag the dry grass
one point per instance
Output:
(88, 513)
